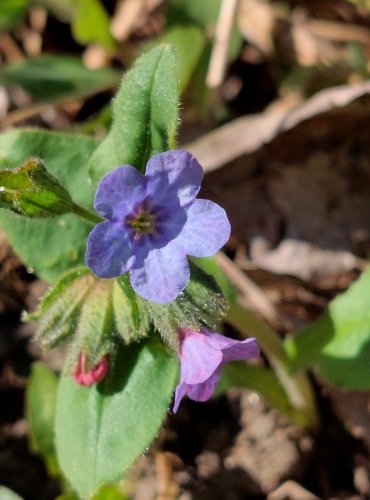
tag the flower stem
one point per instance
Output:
(298, 387)
(86, 214)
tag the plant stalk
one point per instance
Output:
(86, 214)
(297, 387)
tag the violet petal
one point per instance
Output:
(173, 174)
(109, 250)
(119, 193)
(205, 390)
(206, 230)
(159, 274)
(198, 360)
(179, 394)
(246, 349)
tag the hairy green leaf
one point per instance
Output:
(101, 430)
(145, 114)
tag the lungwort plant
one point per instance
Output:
(115, 227)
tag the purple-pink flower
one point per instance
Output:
(201, 355)
(152, 223)
(93, 376)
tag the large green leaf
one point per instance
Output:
(102, 429)
(339, 342)
(145, 114)
(54, 245)
(54, 78)
(40, 410)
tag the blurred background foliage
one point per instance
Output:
(72, 53)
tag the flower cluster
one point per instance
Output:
(152, 223)
(202, 354)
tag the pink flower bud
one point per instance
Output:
(93, 376)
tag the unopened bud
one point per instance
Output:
(93, 376)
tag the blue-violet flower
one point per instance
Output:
(201, 355)
(153, 222)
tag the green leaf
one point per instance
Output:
(145, 114)
(55, 245)
(210, 266)
(200, 304)
(7, 494)
(189, 42)
(11, 12)
(89, 312)
(32, 192)
(203, 14)
(339, 342)
(40, 411)
(91, 24)
(54, 78)
(101, 430)
(109, 492)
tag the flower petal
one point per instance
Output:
(232, 349)
(173, 175)
(179, 394)
(246, 349)
(109, 250)
(206, 230)
(119, 193)
(204, 391)
(159, 274)
(169, 225)
(198, 359)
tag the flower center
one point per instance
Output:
(143, 223)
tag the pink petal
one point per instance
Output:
(179, 394)
(205, 390)
(198, 360)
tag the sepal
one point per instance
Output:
(91, 313)
(201, 304)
